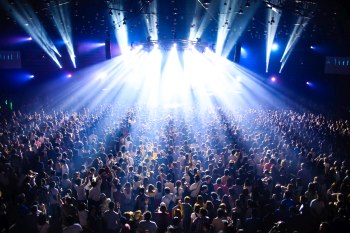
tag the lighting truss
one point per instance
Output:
(304, 8)
(181, 44)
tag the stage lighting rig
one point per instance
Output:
(305, 8)
(240, 12)
(206, 2)
(167, 45)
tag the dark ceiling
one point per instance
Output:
(91, 19)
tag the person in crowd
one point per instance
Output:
(162, 218)
(268, 165)
(219, 223)
(175, 227)
(202, 222)
(146, 225)
(72, 226)
(110, 219)
(169, 199)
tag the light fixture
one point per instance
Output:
(206, 2)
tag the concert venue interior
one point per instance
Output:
(174, 116)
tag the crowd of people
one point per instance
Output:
(117, 169)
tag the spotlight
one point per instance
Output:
(273, 79)
(274, 47)
(244, 53)
(312, 47)
(69, 75)
(30, 38)
(308, 83)
(206, 3)
(247, 4)
(31, 76)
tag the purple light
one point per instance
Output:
(86, 47)
(18, 39)
(69, 75)
(273, 79)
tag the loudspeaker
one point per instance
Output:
(108, 49)
(237, 56)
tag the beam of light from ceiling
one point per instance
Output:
(119, 21)
(168, 80)
(195, 21)
(228, 12)
(273, 19)
(104, 82)
(25, 16)
(298, 29)
(238, 27)
(151, 19)
(172, 79)
(61, 17)
(152, 77)
(200, 24)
